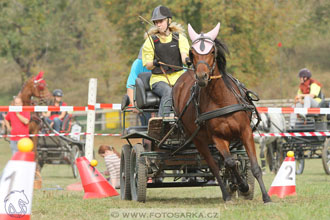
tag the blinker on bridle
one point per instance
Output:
(202, 39)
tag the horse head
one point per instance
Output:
(36, 87)
(203, 54)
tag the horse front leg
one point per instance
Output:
(247, 139)
(34, 129)
(223, 147)
(205, 152)
(262, 153)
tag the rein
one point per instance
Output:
(177, 67)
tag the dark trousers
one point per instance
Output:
(144, 118)
(164, 91)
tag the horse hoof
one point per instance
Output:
(229, 202)
(227, 199)
(267, 201)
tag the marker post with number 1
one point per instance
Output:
(16, 183)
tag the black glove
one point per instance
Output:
(156, 63)
(188, 61)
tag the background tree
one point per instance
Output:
(76, 40)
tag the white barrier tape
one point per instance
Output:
(288, 134)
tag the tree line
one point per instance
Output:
(73, 40)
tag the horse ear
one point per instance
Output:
(192, 33)
(40, 75)
(214, 33)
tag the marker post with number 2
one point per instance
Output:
(284, 183)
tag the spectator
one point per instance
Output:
(55, 119)
(17, 123)
(136, 69)
(112, 163)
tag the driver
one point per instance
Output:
(167, 44)
(55, 119)
(309, 94)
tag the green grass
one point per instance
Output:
(312, 200)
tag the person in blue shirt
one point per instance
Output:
(136, 69)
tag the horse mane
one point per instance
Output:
(228, 79)
(222, 50)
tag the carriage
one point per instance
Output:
(309, 147)
(304, 147)
(207, 136)
(160, 160)
(60, 149)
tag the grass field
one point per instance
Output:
(312, 200)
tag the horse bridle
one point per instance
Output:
(40, 85)
(202, 38)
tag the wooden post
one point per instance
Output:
(92, 91)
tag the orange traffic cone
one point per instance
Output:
(16, 183)
(284, 183)
(95, 185)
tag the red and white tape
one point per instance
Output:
(57, 134)
(118, 107)
(295, 134)
(58, 108)
(294, 110)
(287, 134)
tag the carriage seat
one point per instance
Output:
(144, 97)
(322, 104)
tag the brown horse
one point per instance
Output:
(221, 111)
(35, 87)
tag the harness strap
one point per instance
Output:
(222, 111)
(187, 141)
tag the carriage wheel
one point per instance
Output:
(125, 184)
(300, 165)
(250, 180)
(75, 153)
(326, 156)
(138, 174)
(274, 156)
